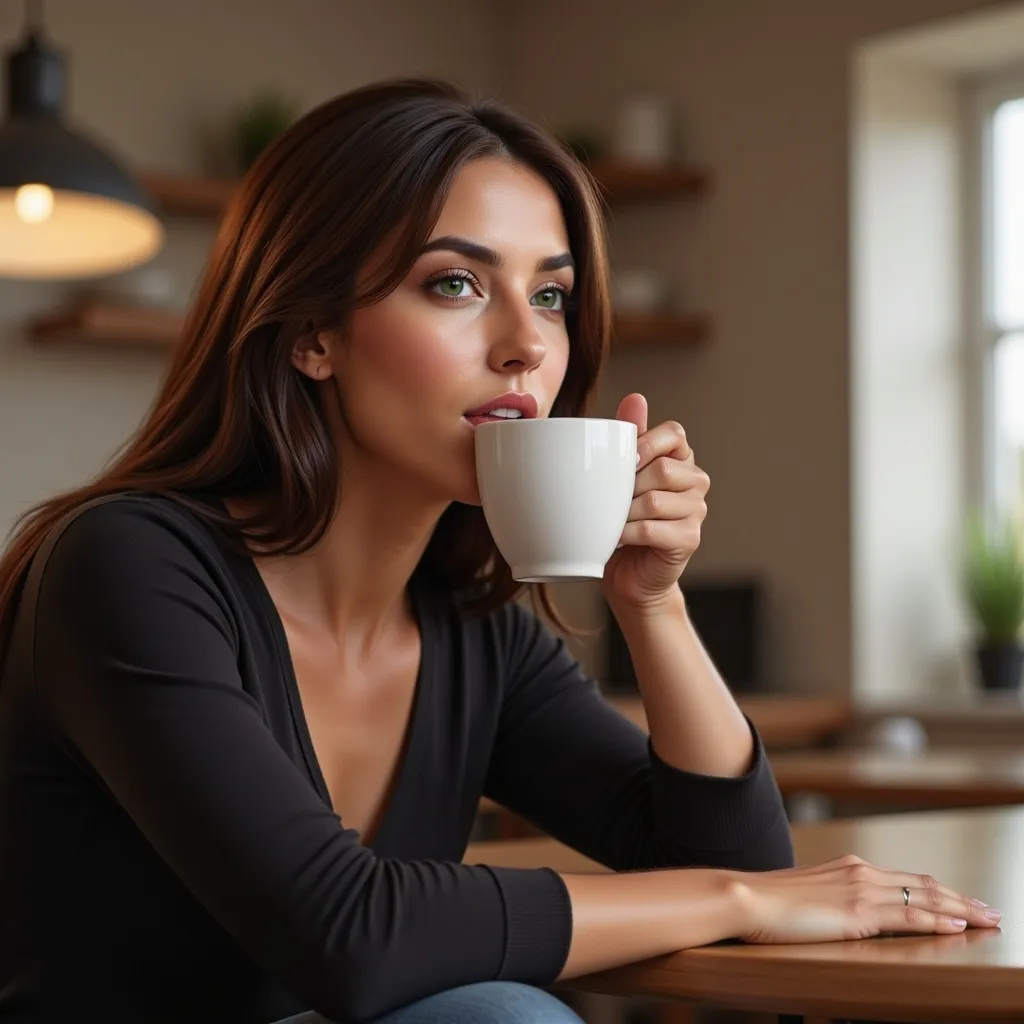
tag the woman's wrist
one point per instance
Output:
(723, 900)
(670, 603)
(739, 904)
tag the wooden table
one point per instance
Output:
(939, 778)
(974, 718)
(975, 976)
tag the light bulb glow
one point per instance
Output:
(34, 203)
(80, 235)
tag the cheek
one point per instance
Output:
(554, 368)
(402, 354)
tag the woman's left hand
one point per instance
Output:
(663, 529)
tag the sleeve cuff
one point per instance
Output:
(538, 924)
(722, 813)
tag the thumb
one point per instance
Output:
(633, 409)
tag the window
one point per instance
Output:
(1002, 293)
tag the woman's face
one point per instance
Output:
(480, 315)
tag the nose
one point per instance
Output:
(518, 346)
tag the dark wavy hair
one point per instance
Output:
(233, 417)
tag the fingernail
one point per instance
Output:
(958, 922)
(638, 458)
(992, 914)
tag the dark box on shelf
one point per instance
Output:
(727, 613)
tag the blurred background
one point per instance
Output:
(817, 223)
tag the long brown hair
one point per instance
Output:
(233, 417)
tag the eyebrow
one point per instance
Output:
(483, 254)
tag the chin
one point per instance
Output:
(464, 486)
(458, 484)
(468, 493)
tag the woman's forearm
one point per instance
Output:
(621, 918)
(695, 724)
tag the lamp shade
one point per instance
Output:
(67, 208)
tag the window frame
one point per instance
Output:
(985, 95)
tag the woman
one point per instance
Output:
(259, 673)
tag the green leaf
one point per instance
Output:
(259, 122)
(994, 579)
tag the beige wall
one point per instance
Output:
(158, 80)
(910, 442)
(763, 90)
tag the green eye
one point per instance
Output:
(549, 298)
(453, 287)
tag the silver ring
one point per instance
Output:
(906, 896)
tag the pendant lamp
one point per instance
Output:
(68, 209)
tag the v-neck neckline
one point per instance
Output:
(411, 737)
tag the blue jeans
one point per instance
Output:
(488, 1002)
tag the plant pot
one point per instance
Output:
(1000, 665)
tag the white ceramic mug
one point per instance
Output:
(556, 493)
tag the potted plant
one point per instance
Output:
(258, 123)
(994, 582)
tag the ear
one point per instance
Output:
(312, 352)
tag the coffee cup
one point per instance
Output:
(556, 493)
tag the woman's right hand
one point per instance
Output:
(849, 898)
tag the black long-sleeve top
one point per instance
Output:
(168, 850)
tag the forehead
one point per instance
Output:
(506, 206)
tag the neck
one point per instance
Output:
(354, 582)
(353, 585)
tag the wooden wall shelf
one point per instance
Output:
(183, 196)
(623, 183)
(106, 323)
(661, 330)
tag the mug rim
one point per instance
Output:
(522, 421)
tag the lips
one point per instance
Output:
(512, 405)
